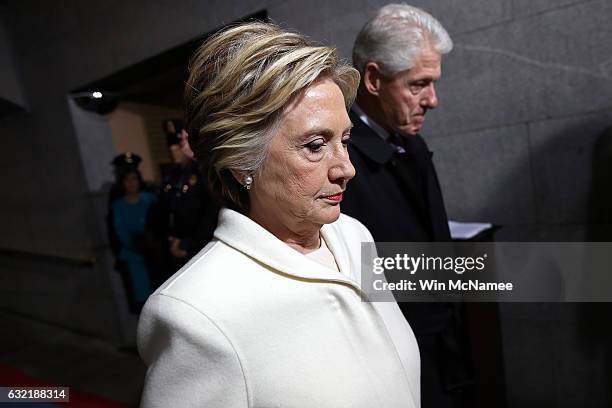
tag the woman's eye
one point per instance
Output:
(315, 146)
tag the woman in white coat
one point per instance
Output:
(271, 312)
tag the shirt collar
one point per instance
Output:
(379, 130)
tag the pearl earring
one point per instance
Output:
(248, 180)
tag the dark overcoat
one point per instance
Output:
(396, 195)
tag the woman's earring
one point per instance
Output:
(248, 180)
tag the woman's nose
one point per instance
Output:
(342, 168)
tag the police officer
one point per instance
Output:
(187, 214)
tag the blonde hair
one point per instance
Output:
(240, 82)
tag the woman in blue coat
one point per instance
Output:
(129, 215)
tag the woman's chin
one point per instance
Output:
(330, 214)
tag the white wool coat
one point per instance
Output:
(250, 322)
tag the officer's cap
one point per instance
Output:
(126, 159)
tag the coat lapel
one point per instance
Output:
(248, 237)
(405, 167)
(368, 142)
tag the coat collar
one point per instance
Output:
(248, 237)
(364, 139)
(371, 145)
(371, 123)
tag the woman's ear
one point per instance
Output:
(239, 175)
(244, 178)
(372, 77)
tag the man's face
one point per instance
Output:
(406, 97)
(177, 155)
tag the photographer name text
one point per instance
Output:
(438, 286)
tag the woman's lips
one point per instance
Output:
(336, 197)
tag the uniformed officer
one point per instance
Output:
(187, 215)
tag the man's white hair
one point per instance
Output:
(395, 37)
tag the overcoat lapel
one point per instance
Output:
(405, 167)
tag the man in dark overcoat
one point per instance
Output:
(396, 192)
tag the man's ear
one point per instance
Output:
(372, 77)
